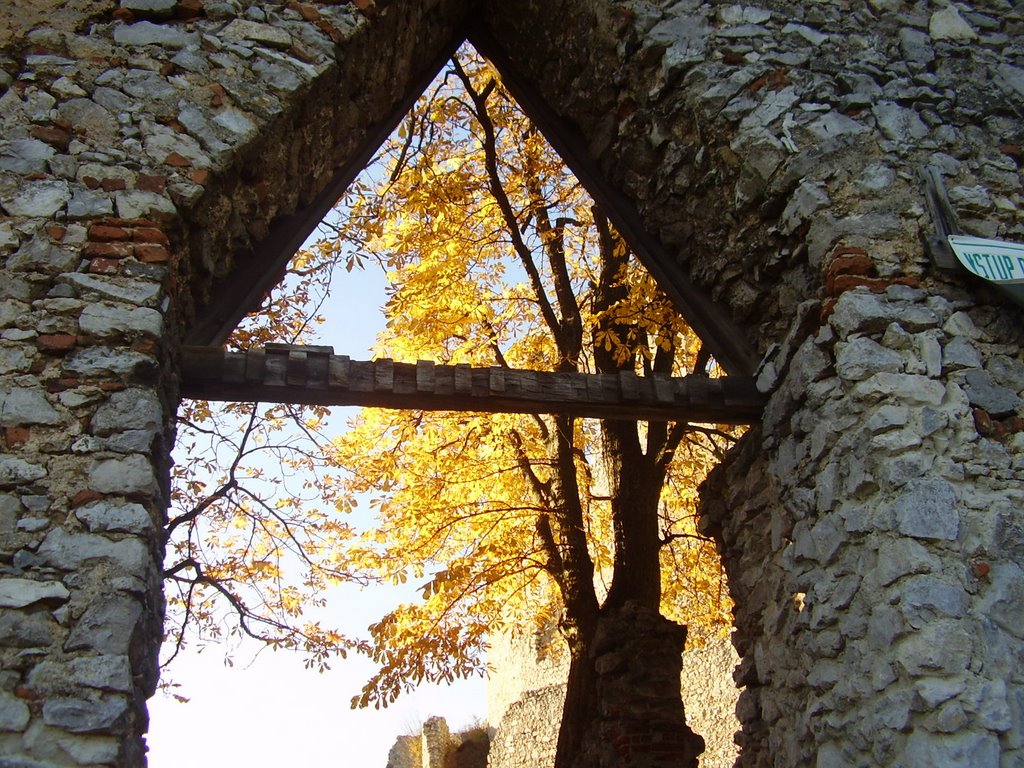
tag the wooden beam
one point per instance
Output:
(315, 376)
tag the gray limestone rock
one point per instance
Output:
(107, 626)
(80, 715)
(20, 407)
(1011, 80)
(89, 204)
(960, 353)
(14, 713)
(143, 204)
(15, 471)
(150, 8)
(278, 76)
(19, 593)
(899, 124)
(129, 409)
(113, 100)
(106, 320)
(147, 33)
(15, 359)
(132, 474)
(858, 359)
(948, 24)
(70, 550)
(266, 34)
(936, 690)
(91, 749)
(26, 156)
(1006, 371)
(92, 287)
(901, 387)
(237, 122)
(984, 393)
(101, 516)
(916, 45)
(924, 598)
(942, 646)
(901, 557)
(1002, 600)
(743, 14)
(969, 749)
(33, 524)
(10, 508)
(40, 199)
(198, 125)
(926, 509)
(102, 673)
(807, 199)
(91, 120)
(94, 362)
(22, 629)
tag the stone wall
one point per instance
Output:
(144, 148)
(871, 527)
(526, 691)
(437, 747)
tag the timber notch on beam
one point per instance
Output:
(314, 375)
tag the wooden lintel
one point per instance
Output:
(295, 375)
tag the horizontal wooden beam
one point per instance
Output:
(284, 373)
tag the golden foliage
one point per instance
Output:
(495, 256)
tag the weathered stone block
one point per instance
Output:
(80, 715)
(15, 471)
(970, 749)
(983, 392)
(71, 550)
(101, 516)
(14, 713)
(135, 409)
(100, 673)
(18, 593)
(93, 287)
(132, 474)
(107, 626)
(106, 320)
(20, 406)
(927, 509)
(103, 362)
(941, 646)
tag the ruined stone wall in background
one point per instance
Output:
(526, 691)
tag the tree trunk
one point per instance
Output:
(622, 704)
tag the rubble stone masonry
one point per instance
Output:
(872, 525)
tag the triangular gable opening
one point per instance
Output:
(308, 375)
(315, 371)
(723, 337)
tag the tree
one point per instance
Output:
(496, 256)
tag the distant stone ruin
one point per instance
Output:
(436, 747)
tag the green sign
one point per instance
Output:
(993, 260)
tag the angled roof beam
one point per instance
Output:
(725, 339)
(255, 274)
